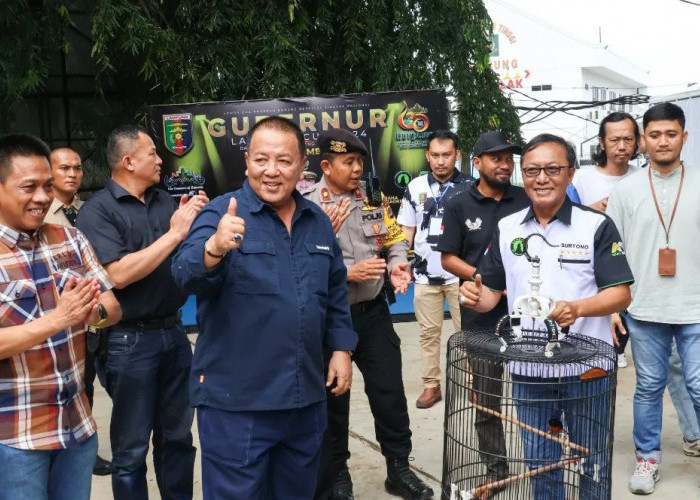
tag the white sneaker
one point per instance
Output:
(645, 476)
(691, 448)
(621, 360)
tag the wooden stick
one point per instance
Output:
(512, 420)
(476, 492)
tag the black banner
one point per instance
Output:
(202, 145)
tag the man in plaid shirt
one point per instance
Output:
(51, 286)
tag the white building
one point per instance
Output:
(543, 66)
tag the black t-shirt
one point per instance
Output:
(469, 221)
(117, 224)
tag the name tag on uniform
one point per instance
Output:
(435, 228)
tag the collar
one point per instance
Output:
(255, 204)
(57, 204)
(563, 214)
(119, 192)
(456, 178)
(13, 238)
(474, 190)
(674, 172)
(356, 197)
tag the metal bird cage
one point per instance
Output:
(524, 421)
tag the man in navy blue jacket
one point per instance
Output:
(272, 295)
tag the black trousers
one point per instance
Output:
(92, 345)
(487, 385)
(378, 357)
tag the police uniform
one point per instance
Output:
(368, 230)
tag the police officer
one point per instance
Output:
(373, 245)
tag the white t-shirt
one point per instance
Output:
(592, 185)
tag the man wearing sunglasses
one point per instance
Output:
(584, 268)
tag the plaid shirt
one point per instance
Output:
(42, 392)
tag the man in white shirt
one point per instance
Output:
(618, 139)
(583, 267)
(656, 213)
(420, 216)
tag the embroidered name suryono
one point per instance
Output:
(323, 247)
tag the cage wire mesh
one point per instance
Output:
(522, 425)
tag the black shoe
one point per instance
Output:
(102, 467)
(402, 481)
(342, 486)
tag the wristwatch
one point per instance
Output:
(102, 311)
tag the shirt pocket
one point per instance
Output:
(375, 232)
(18, 302)
(320, 258)
(256, 268)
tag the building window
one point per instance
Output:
(538, 88)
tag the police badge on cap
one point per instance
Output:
(340, 141)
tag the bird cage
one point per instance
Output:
(526, 419)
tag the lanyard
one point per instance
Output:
(675, 204)
(435, 198)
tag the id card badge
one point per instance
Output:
(435, 228)
(667, 261)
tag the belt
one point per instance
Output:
(149, 324)
(363, 307)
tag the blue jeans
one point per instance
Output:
(64, 474)
(251, 455)
(651, 349)
(583, 407)
(147, 378)
(687, 420)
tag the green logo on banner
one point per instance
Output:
(402, 178)
(177, 133)
(517, 246)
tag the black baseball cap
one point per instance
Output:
(340, 141)
(494, 141)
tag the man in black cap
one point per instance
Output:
(373, 244)
(469, 221)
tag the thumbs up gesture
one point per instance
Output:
(230, 231)
(470, 292)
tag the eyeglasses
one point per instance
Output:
(551, 171)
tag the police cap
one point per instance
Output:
(340, 141)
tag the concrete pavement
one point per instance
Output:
(680, 476)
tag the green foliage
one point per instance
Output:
(187, 50)
(26, 35)
(169, 51)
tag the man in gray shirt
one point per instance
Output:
(656, 212)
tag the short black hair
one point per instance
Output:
(121, 142)
(600, 158)
(664, 111)
(19, 145)
(443, 135)
(544, 138)
(284, 125)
